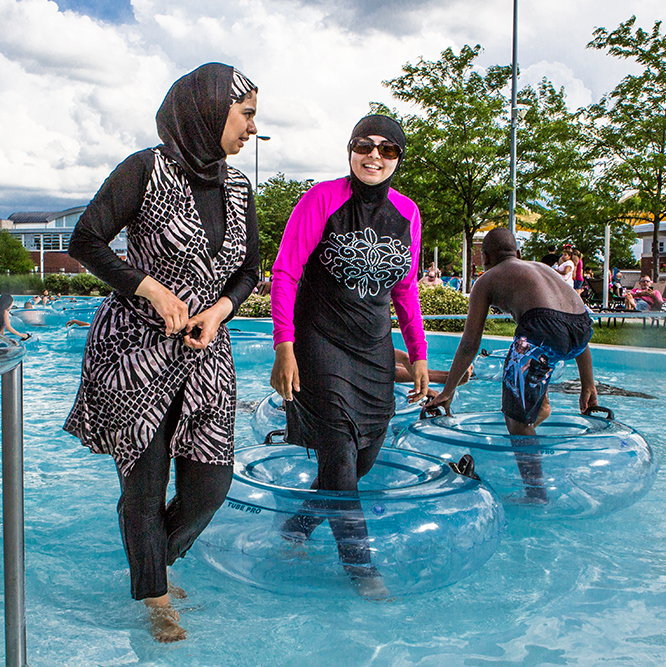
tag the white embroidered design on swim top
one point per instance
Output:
(365, 262)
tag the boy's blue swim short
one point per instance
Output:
(542, 338)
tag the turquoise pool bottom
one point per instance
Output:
(558, 593)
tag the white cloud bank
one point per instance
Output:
(78, 95)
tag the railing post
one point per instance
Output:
(13, 517)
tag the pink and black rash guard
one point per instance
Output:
(347, 251)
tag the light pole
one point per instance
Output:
(256, 161)
(514, 120)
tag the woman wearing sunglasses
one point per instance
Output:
(349, 248)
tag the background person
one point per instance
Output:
(349, 248)
(158, 380)
(644, 296)
(565, 267)
(617, 288)
(577, 258)
(551, 257)
(431, 279)
(6, 301)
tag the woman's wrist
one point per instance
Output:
(284, 349)
(149, 288)
(223, 307)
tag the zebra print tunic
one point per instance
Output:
(131, 371)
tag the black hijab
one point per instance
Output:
(379, 126)
(192, 116)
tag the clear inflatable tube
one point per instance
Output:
(490, 366)
(253, 345)
(428, 526)
(38, 317)
(77, 337)
(270, 415)
(591, 466)
(11, 353)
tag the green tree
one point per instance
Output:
(13, 256)
(577, 214)
(551, 146)
(456, 166)
(629, 124)
(557, 180)
(275, 202)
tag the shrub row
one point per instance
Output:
(256, 306)
(434, 301)
(25, 283)
(443, 301)
(84, 284)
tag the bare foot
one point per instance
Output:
(373, 589)
(177, 592)
(164, 620)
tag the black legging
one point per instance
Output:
(155, 534)
(339, 469)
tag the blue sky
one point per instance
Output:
(81, 80)
(113, 11)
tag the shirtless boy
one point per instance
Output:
(553, 325)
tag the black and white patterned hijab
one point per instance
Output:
(192, 116)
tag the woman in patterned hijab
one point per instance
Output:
(349, 248)
(158, 381)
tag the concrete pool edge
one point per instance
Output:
(640, 358)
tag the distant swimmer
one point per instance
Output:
(553, 325)
(6, 301)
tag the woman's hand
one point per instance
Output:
(284, 378)
(420, 374)
(201, 329)
(169, 307)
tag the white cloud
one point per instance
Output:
(560, 75)
(79, 95)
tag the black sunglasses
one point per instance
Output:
(387, 149)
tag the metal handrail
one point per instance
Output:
(13, 525)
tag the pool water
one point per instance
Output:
(586, 592)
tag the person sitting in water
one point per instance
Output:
(404, 372)
(6, 301)
(28, 305)
(553, 325)
(644, 296)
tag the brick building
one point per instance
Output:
(46, 234)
